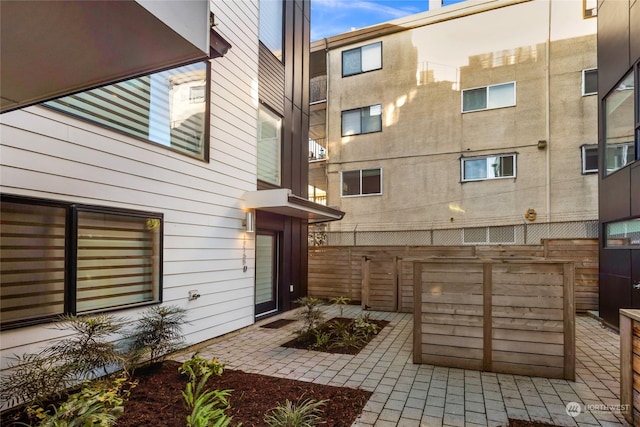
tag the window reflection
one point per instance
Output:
(619, 126)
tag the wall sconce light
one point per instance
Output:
(249, 223)
(542, 144)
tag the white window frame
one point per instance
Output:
(360, 194)
(583, 150)
(359, 49)
(488, 92)
(487, 157)
(360, 110)
(584, 92)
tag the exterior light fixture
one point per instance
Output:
(249, 222)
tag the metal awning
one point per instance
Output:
(51, 49)
(283, 202)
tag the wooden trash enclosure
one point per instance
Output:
(500, 315)
(630, 365)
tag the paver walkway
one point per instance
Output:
(405, 394)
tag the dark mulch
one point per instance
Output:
(277, 324)
(308, 342)
(157, 402)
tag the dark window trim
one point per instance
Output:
(635, 69)
(603, 233)
(360, 49)
(207, 118)
(71, 246)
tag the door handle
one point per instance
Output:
(636, 285)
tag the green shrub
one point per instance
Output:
(311, 313)
(303, 413)
(340, 302)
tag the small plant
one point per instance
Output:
(157, 333)
(207, 406)
(322, 339)
(364, 326)
(36, 377)
(303, 413)
(98, 404)
(340, 302)
(311, 313)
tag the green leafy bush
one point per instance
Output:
(340, 302)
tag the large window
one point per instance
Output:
(270, 26)
(65, 258)
(362, 120)
(489, 97)
(168, 108)
(622, 233)
(269, 146)
(362, 182)
(619, 125)
(362, 59)
(590, 81)
(488, 167)
(589, 158)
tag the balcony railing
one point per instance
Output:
(317, 149)
(318, 89)
(322, 200)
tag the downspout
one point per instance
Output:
(326, 121)
(548, 116)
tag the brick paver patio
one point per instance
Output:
(405, 394)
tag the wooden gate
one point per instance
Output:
(380, 284)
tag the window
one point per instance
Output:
(168, 108)
(489, 97)
(270, 26)
(589, 8)
(362, 120)
(488, 167)
(590, 81)
(362, 182)
(66, 258)
(619, 125)
(491, 235)
(269, 146)
(623, 233)
(589, 158)
(362, 59)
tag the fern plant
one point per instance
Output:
(340, 302)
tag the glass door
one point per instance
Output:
(266, 273)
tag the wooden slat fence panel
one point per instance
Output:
(509, 316)
(584, 253)
(333, 272)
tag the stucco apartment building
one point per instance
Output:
(183, 182)
(473, 123)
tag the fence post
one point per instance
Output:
(487, 333)
(365, 282)
(417, 312)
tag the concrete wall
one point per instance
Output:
(542, 48)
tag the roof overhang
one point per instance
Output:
(283, 202)
(51, 49)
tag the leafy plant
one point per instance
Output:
(322, 338)
(98, 404)
(340, 302)
(36, 377)
(303, 413)
(207, 406)
(364, 326)
(157, 333)
(311, 313)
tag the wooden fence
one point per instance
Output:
(381, 278)
(630, 365)
(501, 315)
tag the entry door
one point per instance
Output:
(266, 273)
(635, 278)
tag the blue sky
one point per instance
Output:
(331, 17)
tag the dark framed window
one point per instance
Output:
(361, 182)
(62, 258)
(620, 125)
(270, 26)
(489, 97)
(622, 234)
(362, 120)
(362, 59)
(488, 167)
(169, 108)
(589, 158)
(590, 81)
